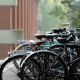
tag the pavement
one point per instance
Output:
(10, 72)
(1, 61)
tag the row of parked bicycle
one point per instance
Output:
(51, 56)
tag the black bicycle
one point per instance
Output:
(39, 64)
(71, 68)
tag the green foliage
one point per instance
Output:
(74, 12)
(57, 13)
(52, 15)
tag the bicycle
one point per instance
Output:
(11, 59)
(27, 47)
(72, 64)
(69, 64)
(16, 56)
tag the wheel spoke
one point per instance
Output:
(26, 76)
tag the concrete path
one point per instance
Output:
(1, 61)
(10, 72)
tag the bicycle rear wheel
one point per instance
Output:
(74, 72)
(50, 67)
(59, 49)
(8, 71)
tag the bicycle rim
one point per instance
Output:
(75, 70)
(51, 68)
(8, 71)
(20, 47)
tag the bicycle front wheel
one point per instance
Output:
(49, 67)
(8, 71)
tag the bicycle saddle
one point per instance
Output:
(39, 36)
(62, 40)
(59, 30)
(65, 40)
(33, 42)
(38, 43)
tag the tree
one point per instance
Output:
(73, 12)
(52, 14)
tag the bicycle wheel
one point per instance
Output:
(74, 72)
(50, 66)
(21, 49)
(8, 71)
(59, 49)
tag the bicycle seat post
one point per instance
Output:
(67, 54)
(64, 41)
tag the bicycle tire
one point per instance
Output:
(74, 72)
(21, 46)
(51, 71)
(7, 64)
(59, 49)
(53, 48)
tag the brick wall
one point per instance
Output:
(21, 17)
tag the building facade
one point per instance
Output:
(17, 22)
